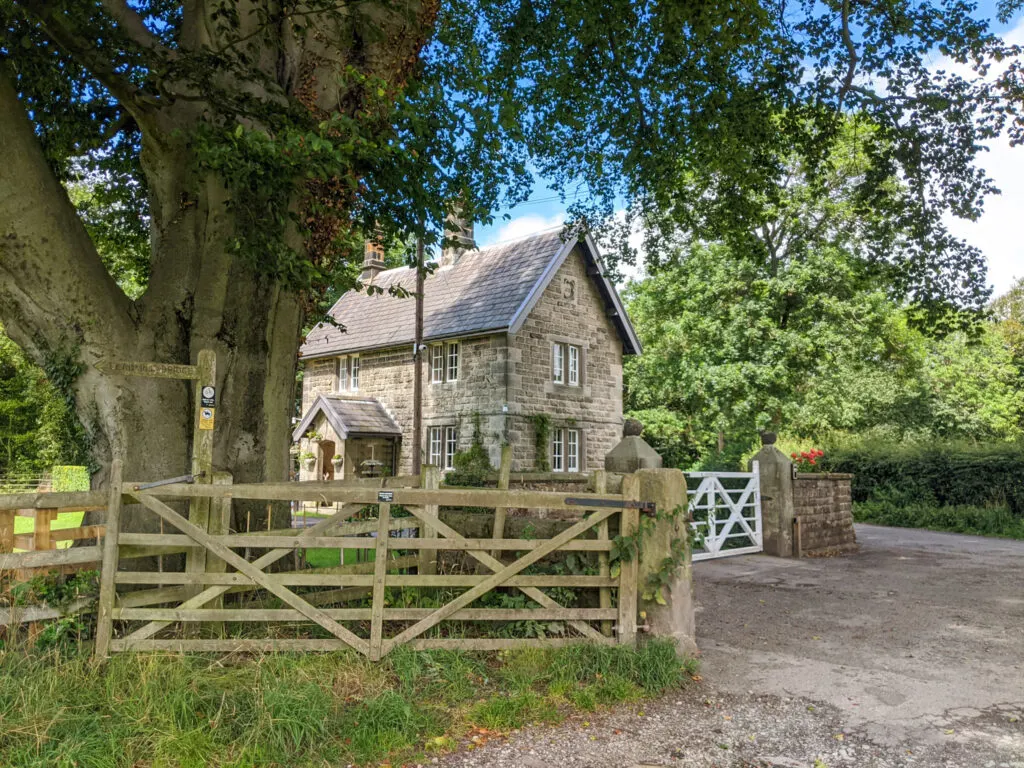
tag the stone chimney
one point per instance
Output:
(459, 232)
(373, 261)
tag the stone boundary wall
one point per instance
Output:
(823, 505)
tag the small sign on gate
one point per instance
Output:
(386, 496)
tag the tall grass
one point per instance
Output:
(169, 710)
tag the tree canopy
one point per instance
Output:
(250, 145)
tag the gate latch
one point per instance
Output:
(647, 507)
(188, 479)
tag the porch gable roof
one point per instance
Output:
(349, 416)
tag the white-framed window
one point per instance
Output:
(566, 363)
(435, 436)
(353, 373)
(572, 450)
(437, 364)
(442, 443)
(348, 373)
(451, 443)
(444, 362)
(453, 361)
(565, 450)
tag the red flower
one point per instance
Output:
(793, 454)
(812, 461)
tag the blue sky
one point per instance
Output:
(997, 233)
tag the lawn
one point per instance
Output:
(64, 520)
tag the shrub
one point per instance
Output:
(937, 474)
(69, 478)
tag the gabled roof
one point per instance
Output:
(491, 289)
(349, 416)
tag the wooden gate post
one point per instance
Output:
(220, 525)
(380, 571)
(430, 480)
(108, 568)
(629, 526)
(504, 475)
(600, 483)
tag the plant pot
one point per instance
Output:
(338, 464)
(309, 464)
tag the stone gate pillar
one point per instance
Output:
(667, 489)
(777, 510)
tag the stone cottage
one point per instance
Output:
(525, 339)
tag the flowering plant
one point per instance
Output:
(808, 457)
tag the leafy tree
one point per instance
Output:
(37, 427)
(254, 142)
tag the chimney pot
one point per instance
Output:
(373, 261)
(459, 232)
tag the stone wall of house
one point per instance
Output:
(570, 310)
(514, 371)
(823, 505)
(387, 376)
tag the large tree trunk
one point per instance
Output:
(61, 306)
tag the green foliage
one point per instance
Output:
(626, 548)
(473, 465)
(330, 709)
(541, 440)
(936, 474)
(57, 591)
(901, 511)
(69, 478)
(38, 427)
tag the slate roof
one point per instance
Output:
(349, 416)
(490, 289)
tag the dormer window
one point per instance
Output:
(348, 373)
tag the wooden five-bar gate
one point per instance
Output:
(186, 610)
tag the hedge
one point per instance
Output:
(68, 477)
(946, 474)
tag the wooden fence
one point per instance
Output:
(347, 606)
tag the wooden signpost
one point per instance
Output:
(204, 374)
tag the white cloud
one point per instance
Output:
(520, 227)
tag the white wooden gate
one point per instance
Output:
(725, 510)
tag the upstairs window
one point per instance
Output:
(566, 363)
(348, 373)
(453, 361)
(444, 362)
(437, 364)
(565, 450)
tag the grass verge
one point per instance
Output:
(298, 710)
(975, 520)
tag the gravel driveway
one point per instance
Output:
(908, 653)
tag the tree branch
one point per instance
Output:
(133, 27)
(54, 289)
(851, 49)
(59, 27)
